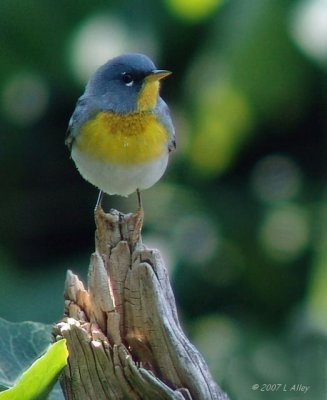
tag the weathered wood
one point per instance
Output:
(123, 334)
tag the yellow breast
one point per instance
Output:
(126, 139)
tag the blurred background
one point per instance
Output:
(240, 216)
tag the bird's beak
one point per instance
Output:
(157, 75)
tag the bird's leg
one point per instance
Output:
(99, 201)
(120, 224)
(139, 219)
(139, 200)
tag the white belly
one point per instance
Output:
(119, 179)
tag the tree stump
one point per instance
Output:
(123, 334)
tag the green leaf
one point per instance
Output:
(38, 380)
(21, 343)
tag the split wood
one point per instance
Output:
(123, 334)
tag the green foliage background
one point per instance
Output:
(240, 216)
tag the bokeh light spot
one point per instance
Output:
(284, 233)
(193, 10)
(268, 359)
(223, 122)
(217, 353)
(276, 177)
(25, 98)
(102, 37)
(196, 239)
(309, 28)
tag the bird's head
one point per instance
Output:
(126, 84)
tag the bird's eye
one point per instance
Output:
(127, 79)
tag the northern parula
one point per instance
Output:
(121, 133)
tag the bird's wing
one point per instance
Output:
(163, 114)
(75, 121)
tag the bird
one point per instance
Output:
(121, 132)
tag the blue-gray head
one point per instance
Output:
(126, 84)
